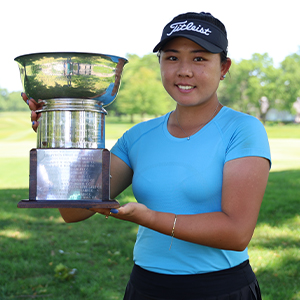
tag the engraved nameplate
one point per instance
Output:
(69, 174)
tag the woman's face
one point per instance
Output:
(191, 74)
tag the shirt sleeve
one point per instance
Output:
(120, 149)
(248, 139)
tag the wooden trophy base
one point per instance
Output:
(69, 178)
(68, 204)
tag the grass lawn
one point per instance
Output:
(35, 243)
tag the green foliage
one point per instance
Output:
(11, 101)
(290, 79)
(142, 92)
(64, 273)
(247, 83)
(249, 80)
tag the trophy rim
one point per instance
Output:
(71, 53)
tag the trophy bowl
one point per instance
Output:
(65, 75)
(70, 166)
(73, 87)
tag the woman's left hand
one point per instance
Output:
(132, 211)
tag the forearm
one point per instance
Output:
(215, 229)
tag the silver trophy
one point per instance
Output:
(70, 166)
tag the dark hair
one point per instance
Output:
(208, 18)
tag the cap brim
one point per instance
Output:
(201, 42)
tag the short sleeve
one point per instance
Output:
(120, 149)
(248, 139)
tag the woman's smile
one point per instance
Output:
(185, 88)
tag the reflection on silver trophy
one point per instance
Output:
(70, 166)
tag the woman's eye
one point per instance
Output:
(172, 58)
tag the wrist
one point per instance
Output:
(149, 218)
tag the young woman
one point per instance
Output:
(198, 173)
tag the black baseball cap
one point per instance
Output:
(193, 27)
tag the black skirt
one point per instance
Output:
(238, 283)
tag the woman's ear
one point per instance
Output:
(225, 66)
(158, 55)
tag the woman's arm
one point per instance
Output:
(244, 183)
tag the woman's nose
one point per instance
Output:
(185, 70)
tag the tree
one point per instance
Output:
(142, 92)
(290, 80)
(11, 101)
(248, 82)
(141, 88)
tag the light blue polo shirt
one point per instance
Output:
(183, 176)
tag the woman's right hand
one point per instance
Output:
(33, 105)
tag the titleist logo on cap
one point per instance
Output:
(182, 26)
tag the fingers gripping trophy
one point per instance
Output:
(70, 166)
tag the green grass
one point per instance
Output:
(285, 154)
(33, 242)
(275, 247)
(17, 127)
(283, 131)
